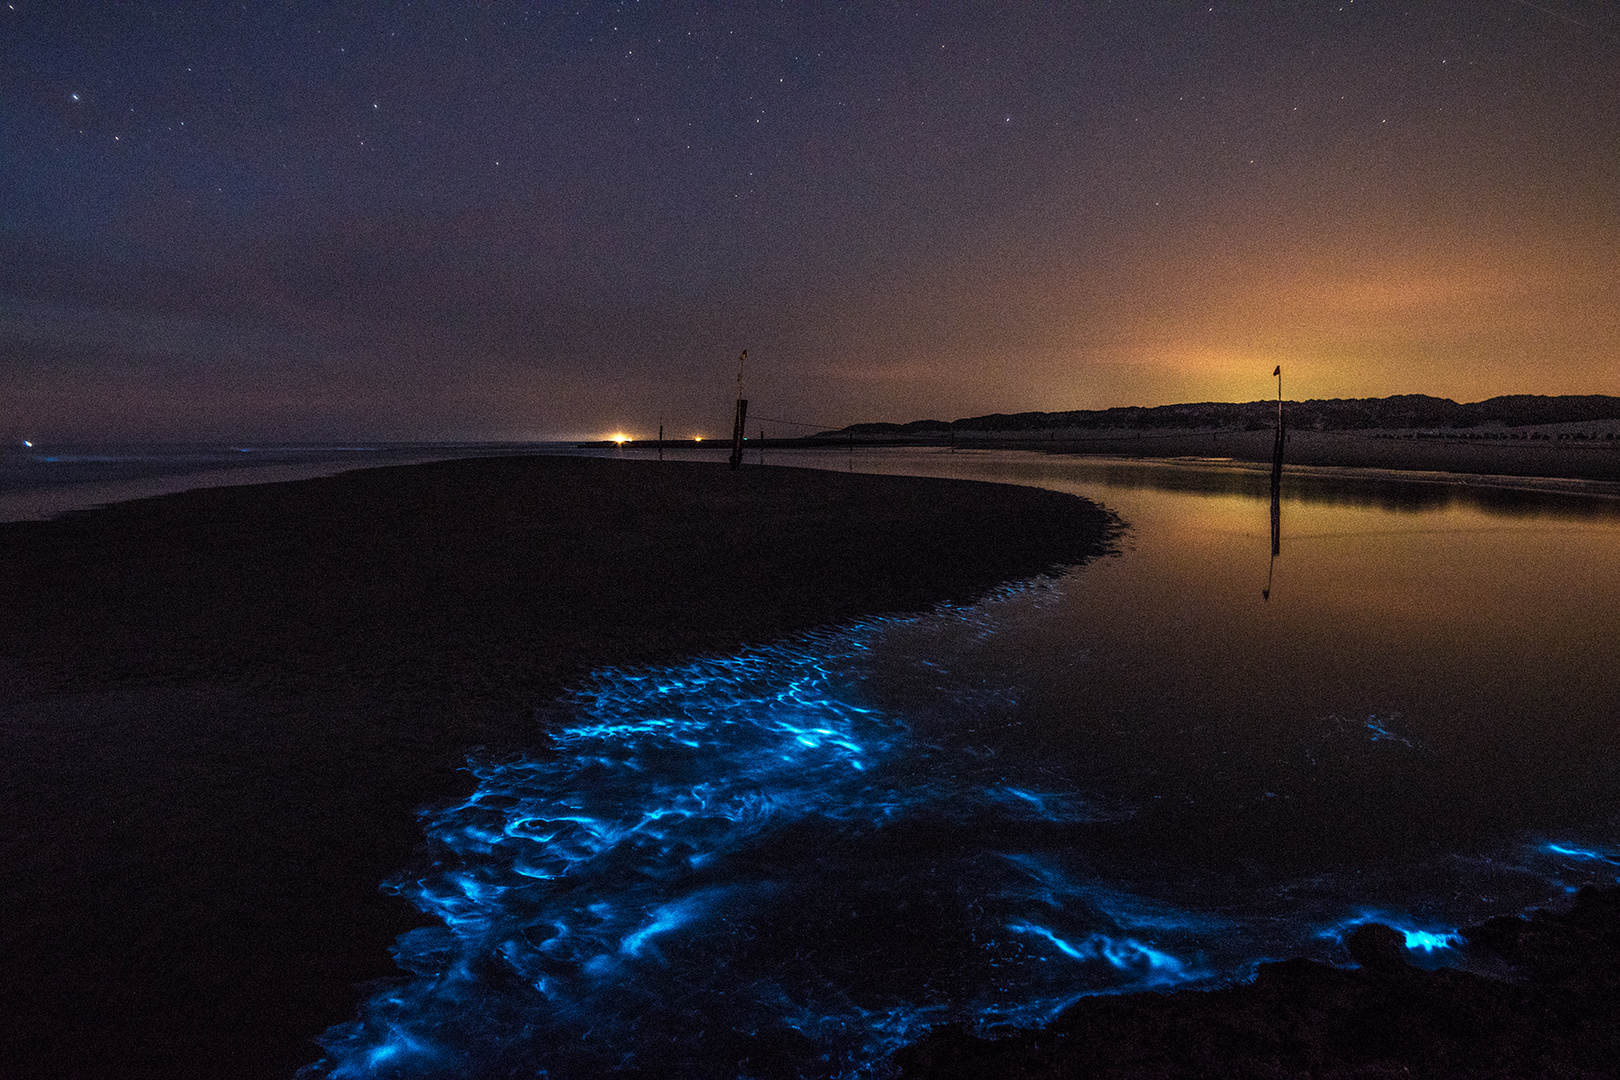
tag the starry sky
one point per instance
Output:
(510, 221)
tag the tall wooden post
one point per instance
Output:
(742, 415)
(660, 442)
(1278, 373)
(737, 432)
(1276, 488)
(1277, 447)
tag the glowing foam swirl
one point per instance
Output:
(745, 867)
(730, 861)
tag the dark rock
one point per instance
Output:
(1553, 1010)
(1379, 948)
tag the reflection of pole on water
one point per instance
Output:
(1276, 530)
(1276, 490)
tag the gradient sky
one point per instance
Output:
(493, 220)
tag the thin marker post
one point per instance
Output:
(741, 417)
(1276, 489)
(1277, 447)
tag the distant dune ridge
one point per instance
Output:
(1402, 411)
(1571, 438)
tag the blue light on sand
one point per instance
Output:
(1428, 941)
(1154, 966)
(1582, 853)
(747, 866)
(1431, 944)
(1585, 859)
(737, 860)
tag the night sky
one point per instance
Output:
(437, 221)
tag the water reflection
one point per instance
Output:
(806, 855)
(1500, 496)
(1375, 489)
(1276, 534)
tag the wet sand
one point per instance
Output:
(220, 708)
(1543, 1001)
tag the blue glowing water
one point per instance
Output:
(1140, 774)
(740, 865)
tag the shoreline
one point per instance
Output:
(1586, 469)
(223, 707)
(1538, 996)
(1400, 454)
(1541, 452)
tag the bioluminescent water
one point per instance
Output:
(1143, 773)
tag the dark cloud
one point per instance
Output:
(495, 220)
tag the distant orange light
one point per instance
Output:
(621, 439)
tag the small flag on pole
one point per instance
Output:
(1278, 371)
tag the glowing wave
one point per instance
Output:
(742, 867)
(726, 867)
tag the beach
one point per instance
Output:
(1540, 1004)
(222, 707)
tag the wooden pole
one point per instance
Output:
(660, 442)
(1278, 373)
(1277, 447)
(737, 432)
(1276, 488)
(741, 417)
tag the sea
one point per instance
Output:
(43, 480)
(1257, 724)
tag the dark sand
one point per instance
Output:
(219, 709)
(1545, 1003)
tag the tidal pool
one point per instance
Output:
(1205, 750)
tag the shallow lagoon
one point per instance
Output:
(1155, 770)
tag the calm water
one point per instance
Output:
(39, 481)
(1157, 769)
